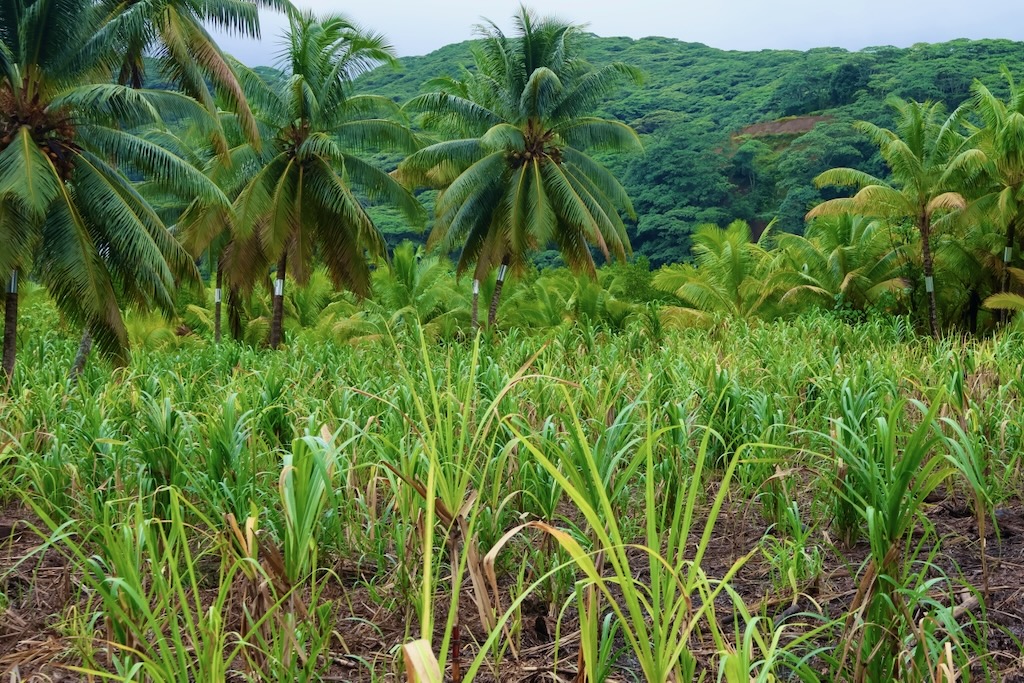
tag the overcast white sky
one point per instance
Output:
(416, 27)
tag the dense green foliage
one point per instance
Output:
(614, 469)
(206, 465)
(69, 213)
(707, 159)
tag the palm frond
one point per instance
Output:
(27, 176)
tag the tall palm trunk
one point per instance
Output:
(277, 317)
(492, 313)
(234, 313)
(475, 316)
(929, 275)
(973, 308)
(10, 326)
(84, 347)
(1011, 235)
(217, 295)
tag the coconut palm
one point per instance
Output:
(207, 230)
(66, 210)
(543, 303)
(1007, 301)
(967, 257)
(926, 156)
(726, 276)
(1000, 158)
(195, 146)
(846, 256)
(175, 33)
(519, 175)
(298, 195)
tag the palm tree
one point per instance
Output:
(66, 209)
(174, 30)
(1007, 301)
(543, 303)
(203, 229)
(519, 175)
(1000, 159)
(727, 274)
(968, 256)
(846, 256)
(205, 224)
(175, 33)
(297, 196)
(926, 157)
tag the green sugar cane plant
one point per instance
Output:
(274, 421)
(795, 561)
(305, 483)
(896, 471)
(291, 650)
(615, 454)
(267, 630)
(857, 409)
(285, 636)
(453, 442)
(51, 476)
(660, 613)
(763, 651)
(163, 444)
(228, 478)
(968, 453)
(541, 496)
(160, 624)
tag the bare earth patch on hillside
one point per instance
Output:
(797, 125)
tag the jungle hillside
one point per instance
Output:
(741, 135)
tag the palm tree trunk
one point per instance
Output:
(84, 347)
(1011, 233)
(217, 292)
(277, 317)
(234, 314)
(475, 315)
(973, 308)
(492, 313)
(929, 276)
(10, 326)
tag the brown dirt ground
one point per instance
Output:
(40, 589)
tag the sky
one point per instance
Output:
(417, 27)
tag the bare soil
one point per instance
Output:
(39, 589)
(797, 125)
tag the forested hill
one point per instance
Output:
(741, 134)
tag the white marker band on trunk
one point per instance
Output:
(216, 296)
(1007, 254)
(278, 287)
(12, 286)
(476, 286)
(929, 284)
(501, 272)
